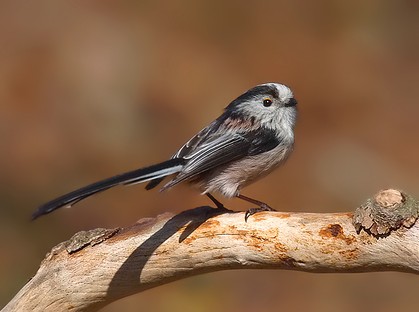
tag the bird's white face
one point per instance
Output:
(272, 105)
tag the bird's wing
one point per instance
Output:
(197, 139)
(190, 146)
(217, 150)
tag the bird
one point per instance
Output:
(252, 137)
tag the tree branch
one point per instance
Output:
(95, 268)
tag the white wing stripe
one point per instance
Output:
(197, 158)
(155, 175)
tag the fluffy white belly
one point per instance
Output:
(229, 179)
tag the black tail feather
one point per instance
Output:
(153, 183)
(155, 172)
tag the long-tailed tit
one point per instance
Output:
(251, 138)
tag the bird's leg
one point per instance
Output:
(215, 201)
(252, 211)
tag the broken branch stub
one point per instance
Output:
(387, 211)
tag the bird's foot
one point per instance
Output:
(252, 211)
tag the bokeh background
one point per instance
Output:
(89, 89)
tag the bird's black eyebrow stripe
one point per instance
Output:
(258, 90)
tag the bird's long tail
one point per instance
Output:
(136, 176)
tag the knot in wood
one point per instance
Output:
(389, 198)
(388, 210)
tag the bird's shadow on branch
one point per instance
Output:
(130, 271)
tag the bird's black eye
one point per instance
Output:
(267, 102)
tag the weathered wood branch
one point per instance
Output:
(94, 268)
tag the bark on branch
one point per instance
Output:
(97, 267)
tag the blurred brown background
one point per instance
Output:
(89, 89)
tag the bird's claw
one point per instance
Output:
(252, 211)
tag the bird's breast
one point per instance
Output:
(230, 178)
